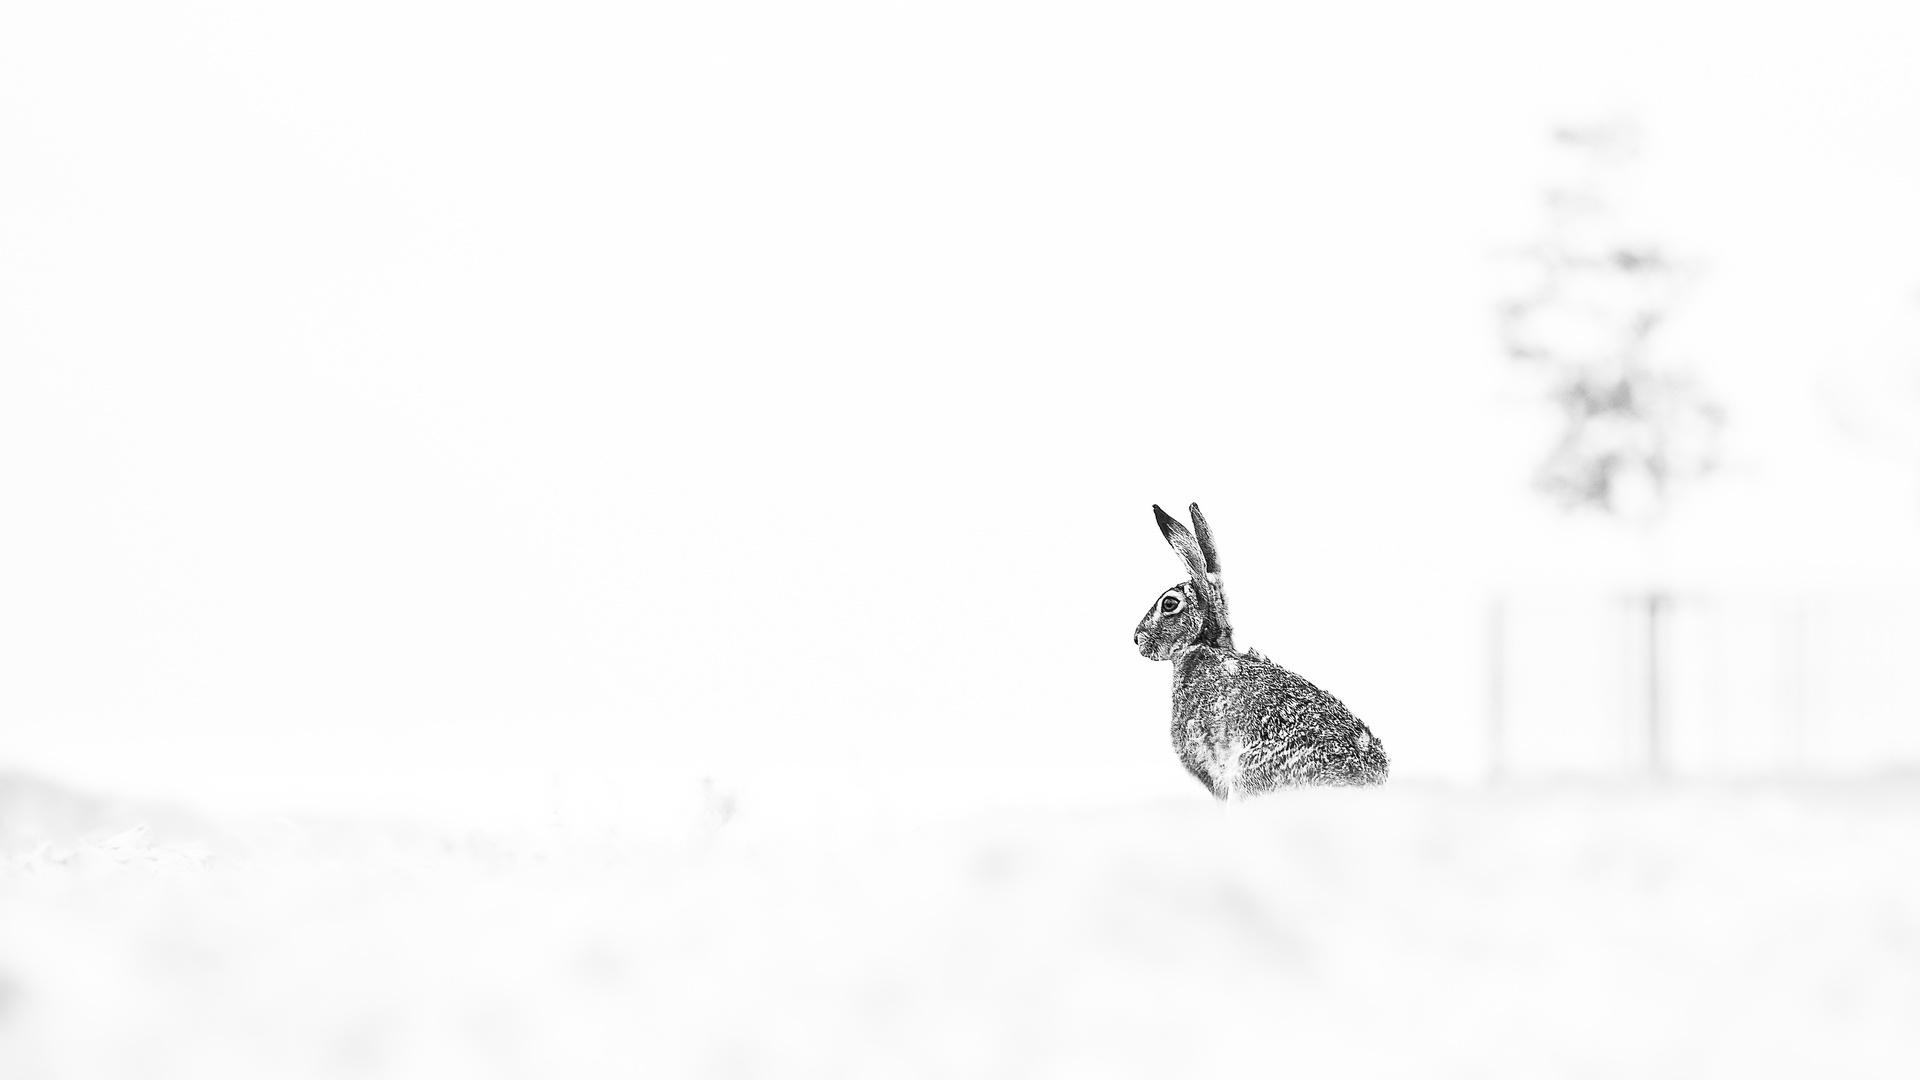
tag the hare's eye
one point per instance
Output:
(1169, 604)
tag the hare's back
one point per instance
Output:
(1297, 733)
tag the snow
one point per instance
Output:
(1750, 930)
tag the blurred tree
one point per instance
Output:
(1634, 428)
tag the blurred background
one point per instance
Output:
(747, 416)
(419, 408)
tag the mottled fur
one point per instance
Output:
(1242, 724)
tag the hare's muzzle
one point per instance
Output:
(1144, 642)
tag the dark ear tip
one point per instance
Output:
(1166, 522)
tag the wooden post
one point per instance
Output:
(1656, 720)
(1497, 689)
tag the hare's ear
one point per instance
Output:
(1183, 543)
(1205, 536)
(1222, 626)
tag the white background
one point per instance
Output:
(437, 407)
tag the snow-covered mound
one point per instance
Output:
(1573, 931)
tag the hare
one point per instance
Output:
(1242, 724)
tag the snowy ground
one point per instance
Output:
(1696, 931)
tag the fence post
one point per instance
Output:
(1656, 721)
(1496, 688)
